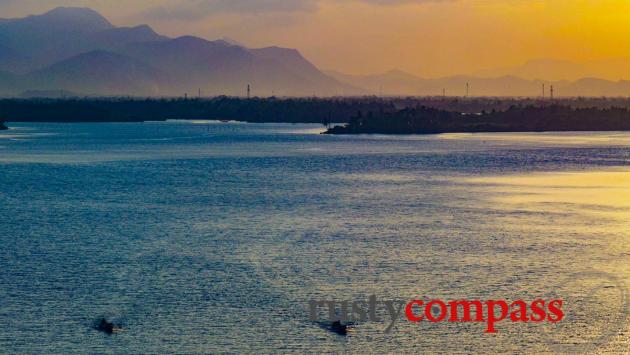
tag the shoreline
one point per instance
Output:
(530, 119)
(333, 132)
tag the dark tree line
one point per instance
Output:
(425, 120)
(220, 108)
(362, 114)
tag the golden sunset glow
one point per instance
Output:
(437, 39)
(428, 38)
(315, 176)
(605, 193)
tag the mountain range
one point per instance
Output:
(558, 70)
(400, 83)
(78, 51)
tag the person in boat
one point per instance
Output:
(340, 328)
(107, 327)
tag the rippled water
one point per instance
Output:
(205, 237)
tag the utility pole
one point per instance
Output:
(467, 89)
(551, 92)
(249, 91)
(543, 92)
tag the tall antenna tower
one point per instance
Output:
(249, 91)
(467, 89)
(551, 92)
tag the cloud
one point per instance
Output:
(21, 8)
(199, 9)
(399, 2)
(190, 10)
(185, 10)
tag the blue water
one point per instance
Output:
(205, 237)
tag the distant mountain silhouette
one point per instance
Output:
(394, 82)
(595, 87)
(218, 67)
(558, 70)
(37, 41)
(116, 73)
(294, 62)
(78, 50)
(397, 82)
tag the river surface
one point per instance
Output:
(207, 237)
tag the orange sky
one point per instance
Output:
(424, 37)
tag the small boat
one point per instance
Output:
(107, 327)
(226, 121)
(337, 327)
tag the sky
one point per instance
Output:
(430, 38)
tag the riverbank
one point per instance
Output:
(425, 120)
(278, 110)
(259, 110)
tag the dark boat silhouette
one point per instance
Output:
(107, 327)
(3, 127)
(337, 327)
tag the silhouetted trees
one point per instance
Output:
(363, 114)
(221, 108)
(423, 120)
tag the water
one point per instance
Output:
(206, 237)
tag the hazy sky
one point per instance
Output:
(424, 37)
